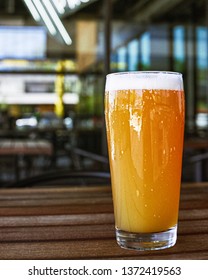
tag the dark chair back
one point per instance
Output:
(64, 178)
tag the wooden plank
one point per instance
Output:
(193, 227)
(78, 193)
(38, 194)
(189, 194)
(188, 191)
(54, 201)
(194, 214)
(194, 204)
(77, 219)
(53, 233)
(41, 218)
(90, 230)
(56, 209)
(70, 201)
(97, 249)
(58, 220)
(194, 185)
(34, 193)
(48, 196)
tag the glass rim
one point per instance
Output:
(144, 72)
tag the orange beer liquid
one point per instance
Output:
(145, 139)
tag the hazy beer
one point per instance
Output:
(145, 125)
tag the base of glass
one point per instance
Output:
(147, 241)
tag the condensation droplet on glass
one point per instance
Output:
(145, 205)
(122, 152)
(137, 193)
(151, 190)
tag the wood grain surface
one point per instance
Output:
(78, 223)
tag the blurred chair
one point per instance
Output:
(7, 163)
(58, 178)
(199, 164)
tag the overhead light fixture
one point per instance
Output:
(54, 16)
(32, 10)
(49, 24)
(73, 3)
(60, 6)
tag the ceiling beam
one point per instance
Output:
(145, 10)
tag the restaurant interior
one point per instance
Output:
(54, 57)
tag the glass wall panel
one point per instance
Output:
(179, 48)
(202, 83)
(145, 42)
(133, 55)
(122, 58)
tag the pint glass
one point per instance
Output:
(144, 114)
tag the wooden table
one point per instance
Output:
(16, 147)
(78, 223)
(25, 147)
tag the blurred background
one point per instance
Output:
(54, 56)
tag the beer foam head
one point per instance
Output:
(144, 80)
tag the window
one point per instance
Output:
(202, 71)
(17, 42)
(145, 51)
(178, 48)
(133, 55)
(122, 58)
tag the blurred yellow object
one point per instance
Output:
(59, 88)
(59, 107)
